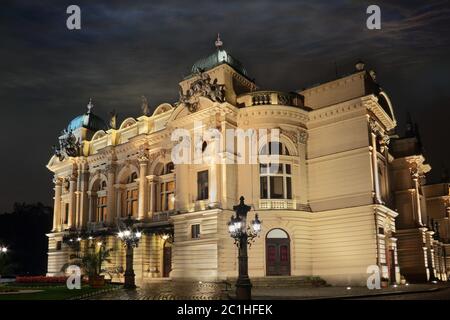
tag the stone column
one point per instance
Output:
(72, 200)
(373, 136)
(385, 149)
(83, 210)
(110, 200)
(152, 180)
(415, 176)
(57, 204)
(90, 206)
(119, 189)
(142, 200)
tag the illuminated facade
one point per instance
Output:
(328, 211)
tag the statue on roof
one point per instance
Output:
(113, 119)
(144, 106)
(90, 105)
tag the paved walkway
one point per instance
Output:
(171, 290)
(339, 292)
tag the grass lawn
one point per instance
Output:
(54, 292)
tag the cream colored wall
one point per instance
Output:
(337, 91)
(339, 165)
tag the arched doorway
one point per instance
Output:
(278, 253)
(167, 258)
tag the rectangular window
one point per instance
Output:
(58, 245)
(263, 186)
(66, 214)
(276, 187)
(101, 209)
(202, 185)
(288, 188)
(195, 231)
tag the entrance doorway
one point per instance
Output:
(391, 265)
(167, 259)
(278, 253)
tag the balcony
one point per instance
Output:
(277, 204)
(96, 226)
(257, 98)
(162, 216)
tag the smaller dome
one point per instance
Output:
(88, 120)
(218, 57)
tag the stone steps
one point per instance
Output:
(283, 282)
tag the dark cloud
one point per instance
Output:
(128, 49)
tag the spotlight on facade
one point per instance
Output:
(78, 239)
(349, 288)
(165, 236)
(99, 243)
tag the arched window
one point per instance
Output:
(275, 181)
(273, 148)
(101, 203)
(166, 188)
(131, 196)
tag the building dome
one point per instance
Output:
(88, 120)
(218, 57)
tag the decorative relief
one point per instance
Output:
(57, 180)
(296, 136)
(143, 154)
(202, 87)
(161, 153)
(68, 146)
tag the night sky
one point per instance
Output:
(128, 49)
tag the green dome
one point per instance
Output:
(88, 120)
(217, 58)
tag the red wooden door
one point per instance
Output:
(278, 260)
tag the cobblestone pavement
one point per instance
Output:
(168, 290)
(176, 290)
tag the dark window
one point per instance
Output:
(58, 245)
(263, 186)
(276, 187)
(66, 213)
(275, 181)
(170, 167)
(195, 231)
(202, 185)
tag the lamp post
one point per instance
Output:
(3, 250)
(130, 239)
(243, 236)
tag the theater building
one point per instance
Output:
(341, 200)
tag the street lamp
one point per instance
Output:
(3, 249)
(130, 239)
(243, 236)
